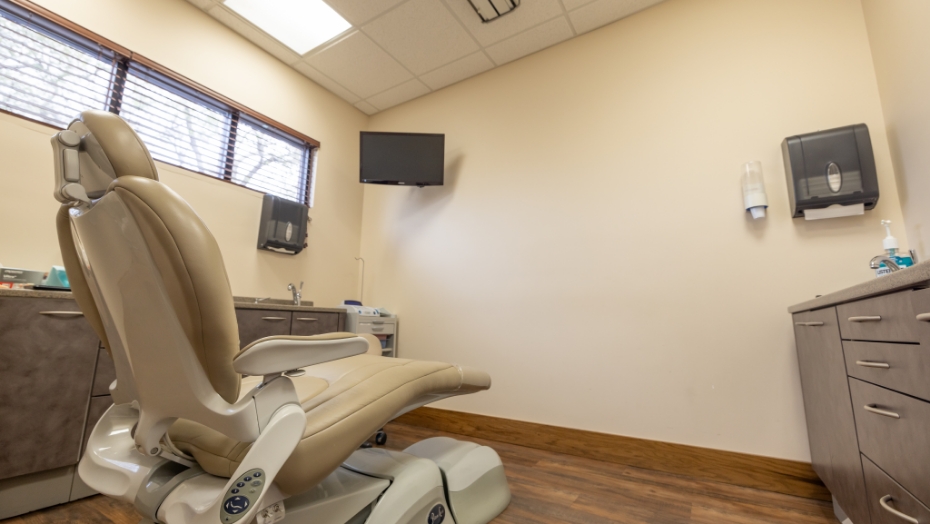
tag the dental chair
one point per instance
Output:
(201, 432)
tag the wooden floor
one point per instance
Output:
(551, 487)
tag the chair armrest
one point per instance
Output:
(271, 355)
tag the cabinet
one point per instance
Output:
(260, 323)
(830, 422)
(866, 393)
(48, 353)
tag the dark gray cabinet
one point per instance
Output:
(314, 323)
(260, 323)
(48, 353)
(830, 421)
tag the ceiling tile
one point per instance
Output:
(327, 83)
(603, 12)
(253, 34)
(528, 14)
(575, 4)
(359, 65)
(366, 108)
(422, 35)
(528, 42)
(461, 69)
(357, 12)
(399, 95)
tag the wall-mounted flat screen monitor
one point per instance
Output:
(404, 159)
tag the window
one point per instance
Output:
(269, 163)
(47, 80)
(51, 73)
(177, 130)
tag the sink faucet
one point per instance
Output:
(876, 262)
(296, 291)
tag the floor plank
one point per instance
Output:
(549, 488)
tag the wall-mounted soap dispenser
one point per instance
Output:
(830, 173)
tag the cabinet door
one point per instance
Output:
(830, 424)
(260, 323)
(47, 359)
(314, 323)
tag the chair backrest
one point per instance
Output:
(148, 275)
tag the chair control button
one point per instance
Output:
(247, 479)
(256, 483)
(240, 484)
(257, 474)
(236, 505)
(235, 490)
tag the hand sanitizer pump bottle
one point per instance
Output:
(890, 244)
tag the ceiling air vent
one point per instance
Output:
(489, 10)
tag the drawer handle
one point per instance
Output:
(924, 317)
(882, 412)
(273, 319)
(809, 324)
(377, 322)
(307, 319)
(62, 313)
(872, 318)
(884, 501)
(870, 364)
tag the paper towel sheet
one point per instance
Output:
(834, 211)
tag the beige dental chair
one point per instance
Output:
(203, 432)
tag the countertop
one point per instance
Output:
(240, 302)
(911, 277)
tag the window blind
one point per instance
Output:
(177, 130)
(269, 163)
(47, 80)
(50, 71)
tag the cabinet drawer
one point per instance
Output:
(887, 497)
(901, 367)
(377, 327)
(314, 323)
(260, 323)
(888, 318)
(894, 430)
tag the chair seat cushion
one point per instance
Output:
(346, 401)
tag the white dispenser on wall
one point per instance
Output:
(754, 199)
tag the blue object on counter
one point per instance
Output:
(57, 277)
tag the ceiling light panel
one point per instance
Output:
(301, 25)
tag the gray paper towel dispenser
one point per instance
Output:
(283, 226)
(833, 167)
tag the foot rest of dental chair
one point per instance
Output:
(474, 477)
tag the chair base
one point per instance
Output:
(435, 481)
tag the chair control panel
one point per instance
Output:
(243, 493)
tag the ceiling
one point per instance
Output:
(398, 50)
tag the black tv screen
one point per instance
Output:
(407, 159)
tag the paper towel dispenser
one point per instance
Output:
(283, 226)
(830, 168)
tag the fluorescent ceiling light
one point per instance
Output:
(299, 24)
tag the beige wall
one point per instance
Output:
(183, 38)
(590, 250)
(900, 45)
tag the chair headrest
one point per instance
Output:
(95, 150)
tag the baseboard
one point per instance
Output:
(752, 471)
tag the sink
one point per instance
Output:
(269, 301)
